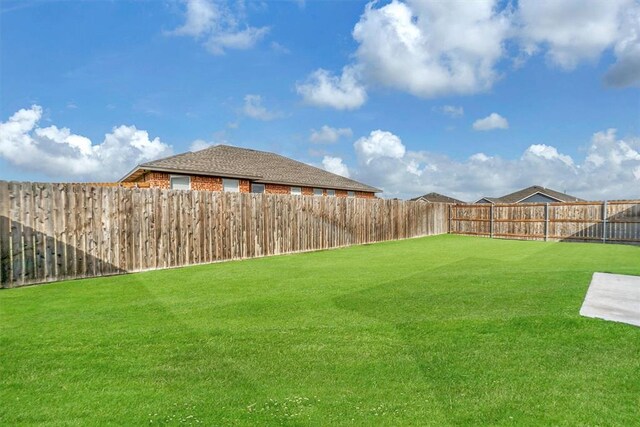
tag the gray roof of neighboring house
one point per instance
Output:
(520, 195)
(257, 166)
(437, 198)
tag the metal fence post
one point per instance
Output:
(604, 222)
(546, 222)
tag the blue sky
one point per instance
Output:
(103, 85)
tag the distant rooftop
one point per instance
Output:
(437, 198)
(525, 193)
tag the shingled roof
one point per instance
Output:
(437, 198)
(525, 193)
(254, 165)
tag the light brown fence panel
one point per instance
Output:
(613, 222)
(576, 221)
(51, 232)
(519, 221)
(473, 220)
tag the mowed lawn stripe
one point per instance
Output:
(444, 330)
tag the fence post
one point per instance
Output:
(491, 223)
(546, 222)
(604, 222)
(450, 209)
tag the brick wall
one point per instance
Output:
(157, 180)
(363, 195)
(206, 183)
(277, 189)
(210, 183)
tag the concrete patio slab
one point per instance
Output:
(614, 297)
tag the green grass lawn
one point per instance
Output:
(444, 330)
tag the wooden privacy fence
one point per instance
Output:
(51, 232)
(615, 222)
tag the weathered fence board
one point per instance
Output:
(614, 222)
(51, 232)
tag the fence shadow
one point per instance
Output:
(43, 258)
(52, 232)
(621, 224)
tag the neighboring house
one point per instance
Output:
(437, 198)
(533, 194)
(233, 169)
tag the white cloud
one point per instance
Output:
(279, 48)
(379, 144)
(492, 121)
(547, 153)
(199, 144)
(335, 165)
(253, 108)
(626, 70)
(219, 137)
(607, 151)
(218, 27)
(432, 48)
(323, 89)
(201, 16)
(61, 154)
(327, 134)
(610, 170)
(479, 157)
(240, 40)
(451, 111)
(571, 31)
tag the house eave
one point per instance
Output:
(310, 185)
(141, 170)
(484, 198)
(541, 193)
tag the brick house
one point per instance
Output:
(233, 169)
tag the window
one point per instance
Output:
(230, 185)
(351, 194)
(331, 193)
(257, 188)
(296, 191)
(179, 182)
(317, 191)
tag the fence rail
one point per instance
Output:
(609, 221)
(51, 232)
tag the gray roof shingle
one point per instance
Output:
(437, 198)
(530, 191)
(258, 166)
